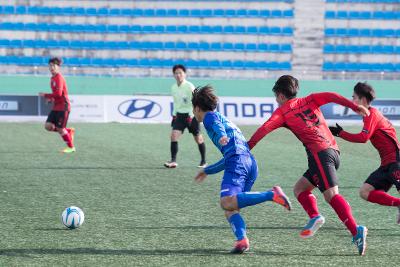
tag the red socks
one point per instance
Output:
(309, 203)
(67, 138)
(382, 198)
(343, 210)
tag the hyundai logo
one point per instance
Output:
(139, 109)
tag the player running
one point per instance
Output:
(58, 117)
(239, 164)
(182, 117)
(303, 117)
(383, 137)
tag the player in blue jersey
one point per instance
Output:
(239, 164)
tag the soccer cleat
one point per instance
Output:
(170, 164)
(241, 246)
(398, 215)
(360, 239)
(72, 133)
(280, 198)
(312, 226)
(68, 150)
(202, 165)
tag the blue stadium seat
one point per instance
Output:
(195, 13)
(194, 29)
(288, 13)
(180, 46)
(169, 45)
(251, 47)
(114, 12)
(227, 46)
(265, 13)
(137, 12)
(230, 13)
(274, 48)
(172, 12)
(253, 13)
(20, 10)
(252, 30)
(206, 13)
(214, 64)
(205, 29)
(239, 46)
(226, 64)
(183, 13)
(216, 46)
(193, 46)
(276, 13)
(241, 13)
(204, 46)
(219, 12)
(365, 15)
(161, 13)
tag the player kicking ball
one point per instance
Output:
(239, 164)
(304, 118)
(58, 117)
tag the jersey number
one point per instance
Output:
(309, 118)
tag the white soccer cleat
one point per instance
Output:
(170, 164)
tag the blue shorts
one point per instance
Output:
(241, 172)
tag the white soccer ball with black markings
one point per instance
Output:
(72, 217)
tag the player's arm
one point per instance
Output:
(370, 124)
(330, 97)
(216, 167)
(275, 121)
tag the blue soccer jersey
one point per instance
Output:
(218, 126)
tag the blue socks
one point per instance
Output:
(238, 226)
(246, 199)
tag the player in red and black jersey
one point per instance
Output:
(58, 117)
(304, 118)
(383, 137)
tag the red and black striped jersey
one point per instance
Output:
(382, 134)
(59, 93)
(304, 118)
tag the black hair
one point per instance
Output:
(205, 98)
(364, 90)
(286, 85)
(178, 66)
(55, 60)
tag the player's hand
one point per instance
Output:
(173, 120)
(223, 140)
(336, 130)
(361, 110)
(189, 120)
(200, 177)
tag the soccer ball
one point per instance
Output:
(72, 217)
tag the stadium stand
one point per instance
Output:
(211, 37)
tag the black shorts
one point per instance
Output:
(385, 176)
(58, 118)
(183, 121)
(322, 168)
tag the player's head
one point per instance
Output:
(54, 65)
(203, 100)
(363, 93)
(179, 72)
(285, 88)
